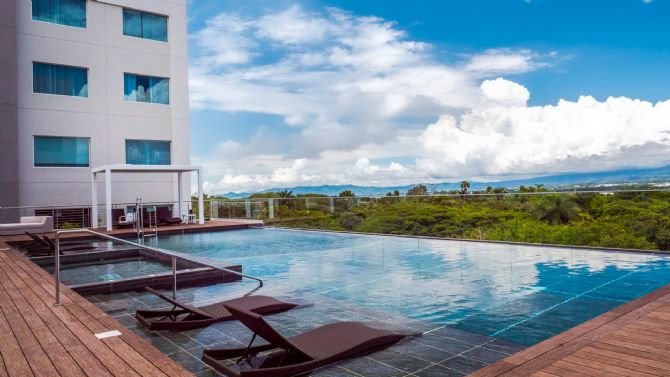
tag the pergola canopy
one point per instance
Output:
(125, 168)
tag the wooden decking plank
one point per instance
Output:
(644, 325)
(60, 358)
(632, 349)
(156, 365)
(37, 358)
(3, 370)
(113, 362)
(89, 362)
(583, 369)
(641, 364)
(608, 365)
(642, 341)
(553, 369)
(642, 335)
(15, 362)
(544, 374)
(131, 344)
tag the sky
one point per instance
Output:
(386, 92)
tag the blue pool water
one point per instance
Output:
(522, 294)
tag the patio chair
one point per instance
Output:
(165, 216)
(298, 354)
(126, 221)
(184, 317)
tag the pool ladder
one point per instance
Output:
(139, 221)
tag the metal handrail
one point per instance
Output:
(154, 249)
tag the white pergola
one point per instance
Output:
(122, 168)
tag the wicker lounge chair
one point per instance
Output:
(184, 317)
(298, 354)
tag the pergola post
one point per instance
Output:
(94, 201)
(201, 204)
(108, 198)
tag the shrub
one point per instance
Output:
(350, 220)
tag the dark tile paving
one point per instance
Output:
(439, 351)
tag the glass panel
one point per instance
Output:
(132, 23)
(60, 79)
(147, 152)
(61, 151)
(154, 27)
(144, 25)
(146, 89)
(63, 12)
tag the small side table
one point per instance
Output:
(188, 219)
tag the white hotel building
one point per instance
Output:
(89, 83)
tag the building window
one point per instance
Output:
(61, 151)
(144, 25)
(147, 152)
(63, 12)
(146, 89)
(60, 79)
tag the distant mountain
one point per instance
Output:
(563, 181)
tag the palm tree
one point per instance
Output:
(556, 209)
(465, 185)
(285, 195)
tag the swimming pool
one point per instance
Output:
(523, 294)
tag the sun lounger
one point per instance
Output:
(183, 317)
(298, 354)
(44, 246)
(165, 216)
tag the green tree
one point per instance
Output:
(418, 190)
(556, 209)
(465, 185)
(394, 193)
(347, 194)
(285, 194)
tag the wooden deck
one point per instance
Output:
(169, 229)
(40, 339)
(631, 340)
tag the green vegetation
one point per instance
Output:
(624, 220)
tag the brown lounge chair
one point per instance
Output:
(298, 354)
(46, 247)
(165, 216)
(184, 317)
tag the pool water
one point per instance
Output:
(523, 294)
(114, 270)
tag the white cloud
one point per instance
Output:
(357, 90)
(505, 92)
(585, 135)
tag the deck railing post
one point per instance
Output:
(57, 269)
(174, 278)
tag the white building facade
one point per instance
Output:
(91, 83)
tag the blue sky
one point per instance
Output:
(380, 92)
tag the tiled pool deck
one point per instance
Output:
(440, 351)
